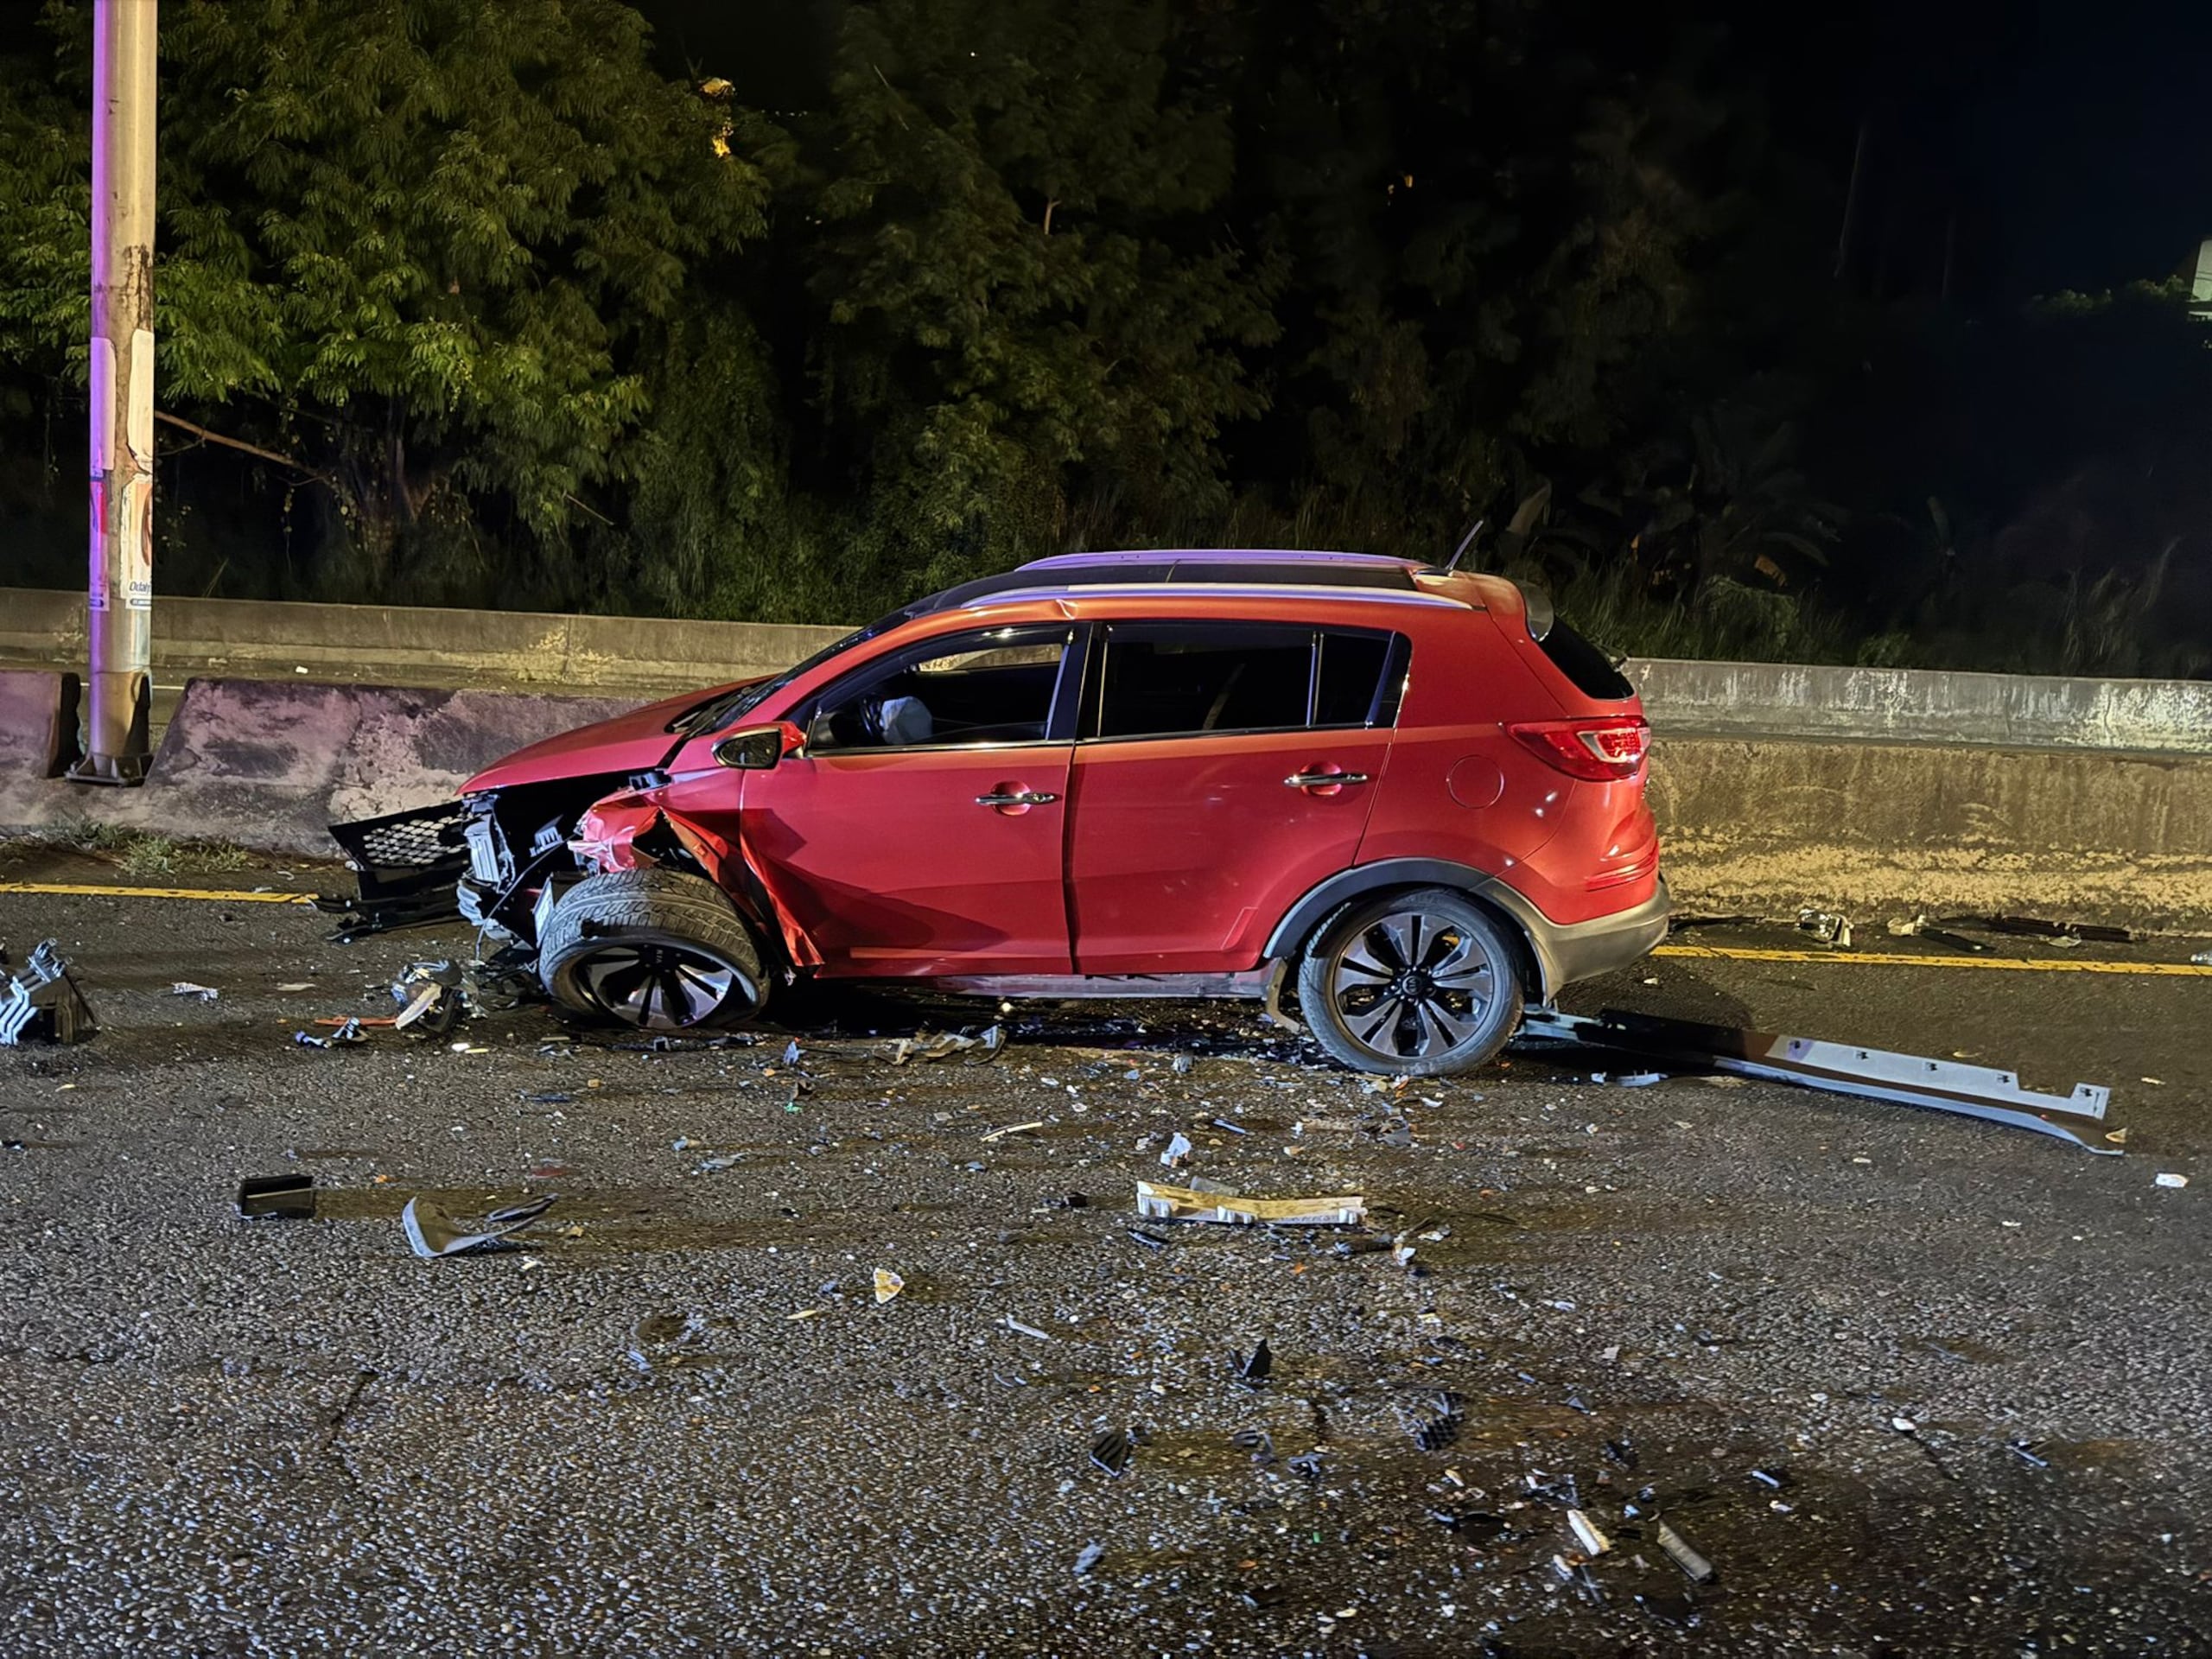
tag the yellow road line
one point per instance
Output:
(80, 890)
(1892, 959)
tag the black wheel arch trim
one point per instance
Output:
(1529, 924)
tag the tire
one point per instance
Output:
(1449, 1009)
(656, 949)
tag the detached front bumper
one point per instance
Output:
(1567, 952)
(405, 864)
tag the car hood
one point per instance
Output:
(637, 741)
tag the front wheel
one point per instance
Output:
(1415, 984)
(658, 950)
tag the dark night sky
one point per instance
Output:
(2074, 138)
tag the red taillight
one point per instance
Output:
(1604, 751)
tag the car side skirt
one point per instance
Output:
(1252, 983)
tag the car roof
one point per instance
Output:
(1188, 571)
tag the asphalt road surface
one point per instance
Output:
(1913, 1384)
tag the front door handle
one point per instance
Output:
(1322, 779)
(1017, 797)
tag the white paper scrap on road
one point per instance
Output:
(1158, 1203)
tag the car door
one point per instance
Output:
(1223, 769)
(920, 831)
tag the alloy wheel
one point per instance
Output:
(660, 987)
(1412, 985)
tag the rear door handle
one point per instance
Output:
(1318, 780)
(1019, 797)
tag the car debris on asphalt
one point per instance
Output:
(1586, 1534)
(1434, 1420)
(1111, 1449)
(433, 1231)
(1178, 1151)
(1836, 1068)
(346, 1036)
(289, 1197)
(1156, 1202)
(2166, 1178)
(887, 1284)
(41, 1000)
(187, 988)
(2041, 927)
(1918, 926)
(1694, 1566)
(1252, 1369)
(981, 1047)
(1829, 927)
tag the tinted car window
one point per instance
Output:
(1167, 679)
(977, 687)
(1592, 670)
(1350, 675)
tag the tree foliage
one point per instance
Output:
(540, 321)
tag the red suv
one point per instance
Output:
(1414, 794)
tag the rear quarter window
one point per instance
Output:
(1589, 669)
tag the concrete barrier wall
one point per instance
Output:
(417, 646)
(272, 764)
(38, 723)
(1770, 824)
(403, 645)
(1899, 705)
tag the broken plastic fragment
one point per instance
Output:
(1020, 1329)
(1694, 1566)
(2166, 1179)
(1110, 1451)
(1593, 1542)
(887, 1284)
(423, 998)
(1827, 926)
(291, 1196)
(43, 1001)
(185, 988)
(1088, 1558)
(1434, 1421)
(1159, 1203)
(1252, 1369)
(1178, 1149)
(1257, 1441)
(433, 1231)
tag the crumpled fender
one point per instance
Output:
(606, 839)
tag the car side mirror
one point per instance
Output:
(760, 747)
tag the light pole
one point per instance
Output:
(120, 600)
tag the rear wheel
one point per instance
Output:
(1411, 984)
(655, 948)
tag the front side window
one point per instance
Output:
(990, 687)
(1182, 679)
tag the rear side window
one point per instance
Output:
(1589, 668)
(1348, 676)
(1165, 679)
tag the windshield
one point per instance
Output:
(715, 713)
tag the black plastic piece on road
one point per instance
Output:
(1252, 1369)
(1111, 1449)
(291, 1196)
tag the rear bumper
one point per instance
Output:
(1568, 952)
